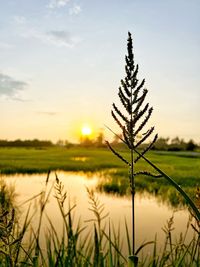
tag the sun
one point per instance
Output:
(86, 130)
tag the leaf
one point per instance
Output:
(147, 148)
(144, 121)
(124, 118)
(144, 245)
(128, 237)
(145, 137)
(117, 154)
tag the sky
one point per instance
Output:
(61, 62)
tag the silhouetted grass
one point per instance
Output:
(92, 243)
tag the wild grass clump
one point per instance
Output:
(86, 244)
(176, 251)
(95, 242)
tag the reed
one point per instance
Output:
(95, 242)
(132, 123)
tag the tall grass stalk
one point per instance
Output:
(132, 122)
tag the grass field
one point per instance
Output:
(184, 167)
(181, 165)
(22, 160)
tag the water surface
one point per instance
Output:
(151, 215)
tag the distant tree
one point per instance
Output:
(99, 142)
(161, 144)
(191, 146)
(176, 141)
(177, 144)
(25, 143)
(86, 142)
(60, 142)
(117, 139)
(67, 143)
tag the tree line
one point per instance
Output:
(164, 144)
(175, 144)
(26, 143)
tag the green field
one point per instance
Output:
(183, 167)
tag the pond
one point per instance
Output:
(151, 215)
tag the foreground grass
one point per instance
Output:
(101, 246)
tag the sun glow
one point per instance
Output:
(86, 130)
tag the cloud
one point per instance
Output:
(10, 87)
(58, 38)
(57, 3)
(75, 10)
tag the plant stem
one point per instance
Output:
(133, 202)
(132, 173)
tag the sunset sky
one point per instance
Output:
(61, 62)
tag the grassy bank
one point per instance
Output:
(22, 160)
(182, 166)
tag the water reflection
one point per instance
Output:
(83, 159)
(151, 215)
(114, 183)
